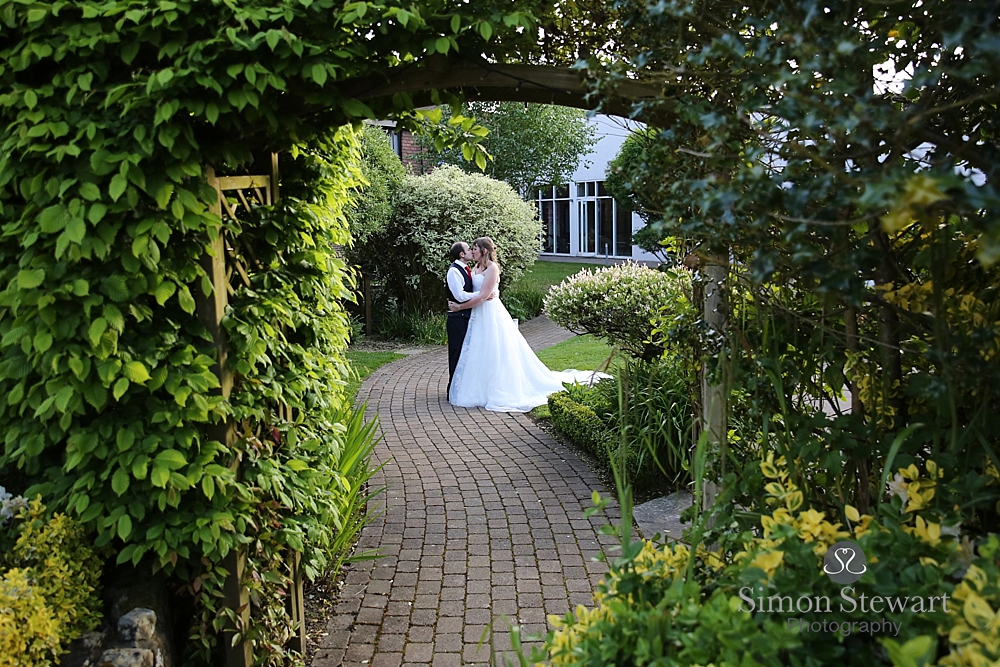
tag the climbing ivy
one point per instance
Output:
(111, 113)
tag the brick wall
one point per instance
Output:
(410, 151)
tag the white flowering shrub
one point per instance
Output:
(432, 212)
(620, 304)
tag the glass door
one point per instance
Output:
(588, 227)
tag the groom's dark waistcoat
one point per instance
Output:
(468, 288)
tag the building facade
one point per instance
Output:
(580, 219)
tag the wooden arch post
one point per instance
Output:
(222, 263)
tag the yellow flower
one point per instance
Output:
(768, 562)
(928, 531)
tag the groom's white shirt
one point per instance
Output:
(456, 284)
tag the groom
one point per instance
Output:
(459, 280)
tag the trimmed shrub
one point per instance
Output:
(619, 304)
(580, 424)
(430, 214)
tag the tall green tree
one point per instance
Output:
(531, 144)
(859, 209)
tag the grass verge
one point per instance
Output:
(544, 275)
(583, 353)
(364, 364)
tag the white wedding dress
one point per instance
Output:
(497, 370)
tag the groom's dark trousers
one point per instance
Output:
(458, 324)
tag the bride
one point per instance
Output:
(497, 370)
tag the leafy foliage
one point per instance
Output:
(531, 144)
(369, 214)
(691, 606)
(431, 213)
(40, 613)
(619, 303)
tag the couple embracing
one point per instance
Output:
(490, 364)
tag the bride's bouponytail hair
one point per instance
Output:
(485, 245)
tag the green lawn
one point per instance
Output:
(583, 353)
(544, 275)
(364, 364)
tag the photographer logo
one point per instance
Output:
(845, 562)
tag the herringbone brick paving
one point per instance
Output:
(483, 525)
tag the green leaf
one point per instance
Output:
(140, 468)
(170, 459)
(212, 112)
(272, 37)
(76, 230)
(96, 213)
(159, 476)
(30, 98)
(163, 195)
(442, 44)
(140, 245)
(107, 369)
(164, 291)
(30, 279)
(208, 486)
(63, 397)
(124, 439)
(121, 386)
(90, 191)
(116, 287)
(124, 526)
(43, 341)
(136, 372)
(120, 481)
(185, 299)
(358, 109)
(53, 219)
(129, 52)
(118, 185)
(318, 73)
(456, 23)
(97, 329)
(16, 394)
(96, 395)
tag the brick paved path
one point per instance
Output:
(483, 523)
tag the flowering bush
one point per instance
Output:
(619, 304)
(763, 598)
(432, 212)
(48, 591)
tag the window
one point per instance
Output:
(553, 209)
(604, 226)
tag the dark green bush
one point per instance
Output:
(417, 326)
(522, 301)
(580, 424)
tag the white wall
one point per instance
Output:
(611, 132)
